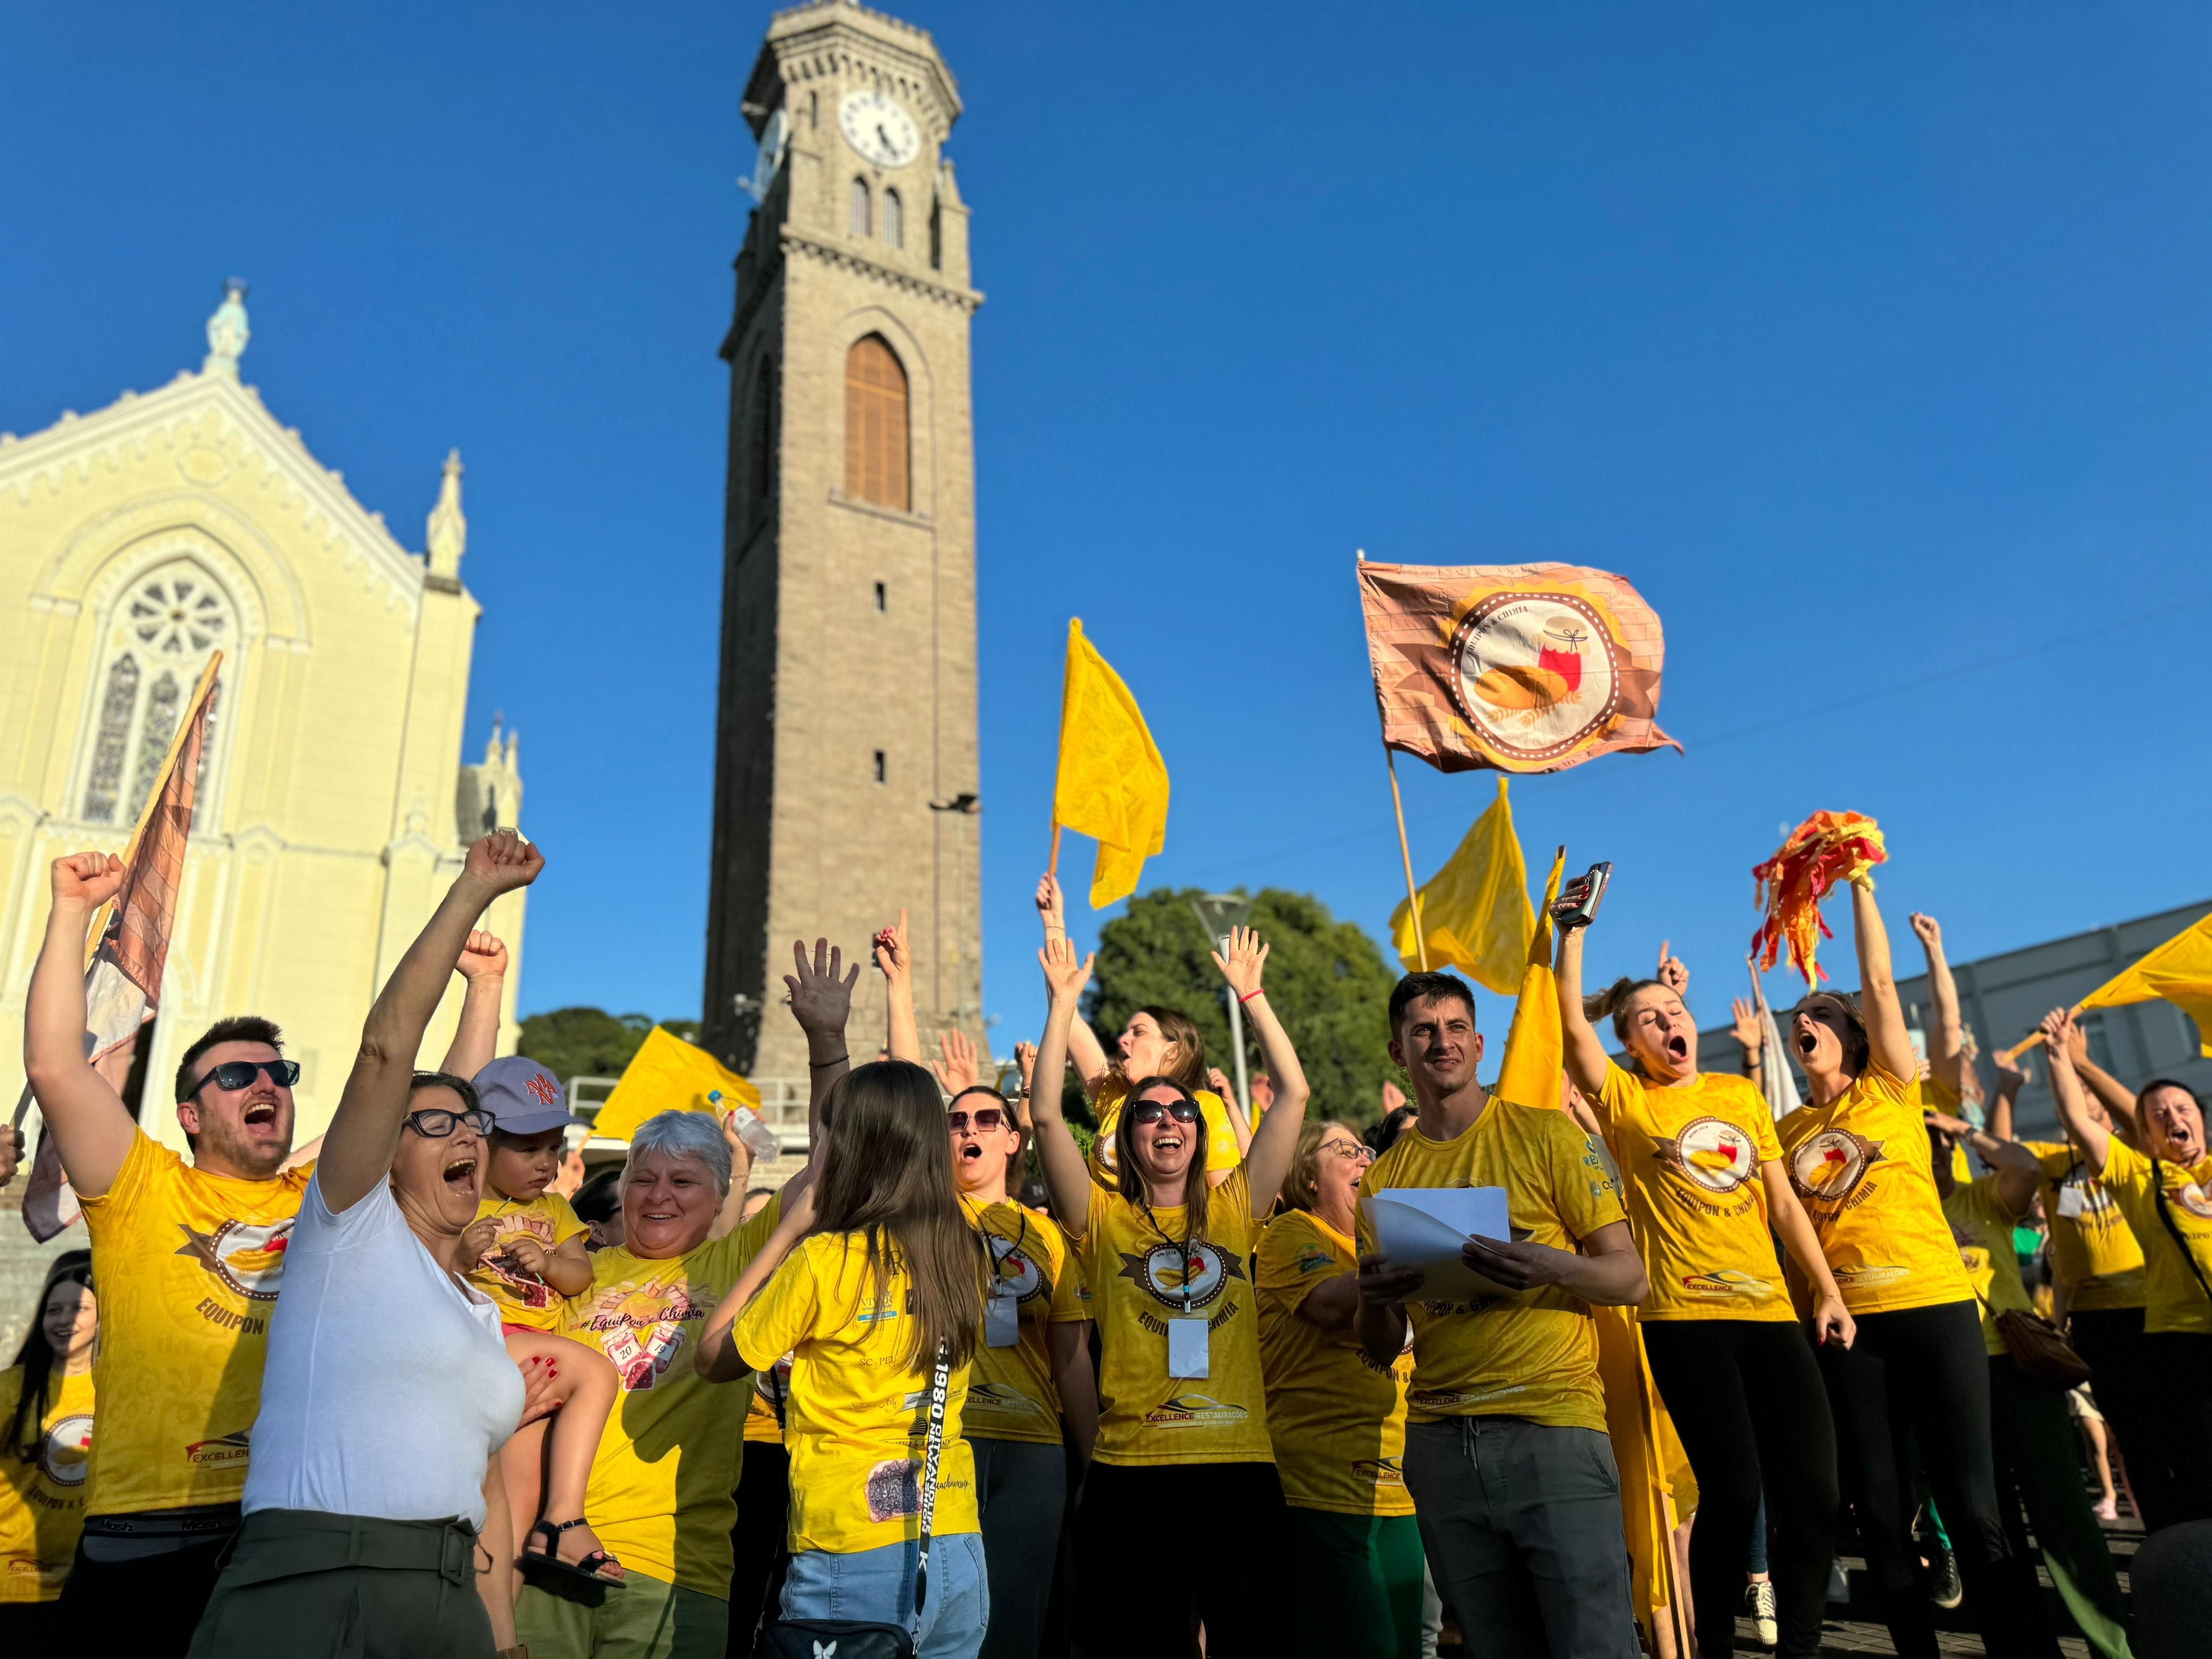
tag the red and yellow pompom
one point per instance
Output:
(1828, 847)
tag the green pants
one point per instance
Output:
(2039, 1468)
(302, 1584)
(640, 1618)
(1355, 1586)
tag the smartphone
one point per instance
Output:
(1577, 904)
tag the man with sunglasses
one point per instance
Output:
(189, 1256)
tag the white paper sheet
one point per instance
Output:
(1424, 1227)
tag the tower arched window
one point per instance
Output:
(875, 424)
(894, 220)
(159, 639)
(862, 215)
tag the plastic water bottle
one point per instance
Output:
(756, 1135)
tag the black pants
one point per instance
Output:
(2178, 1366)
(1920, 1376)
(1021, 1493)
(1164, 1546)
(1746, 1398)
(761, 1541)
(147, 1608)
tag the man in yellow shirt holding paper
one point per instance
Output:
(1506, 1455)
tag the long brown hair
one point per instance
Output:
(1189, 1068)
(1130, 1181)
(887, 1175)
(25, 1437)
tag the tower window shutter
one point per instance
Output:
(875, 424)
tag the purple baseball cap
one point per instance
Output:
(523, 1097)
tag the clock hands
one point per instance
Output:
(884, 139)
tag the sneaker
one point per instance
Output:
(1944, 1589)
(1758, 1607)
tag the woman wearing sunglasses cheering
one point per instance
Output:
(1183, 1448)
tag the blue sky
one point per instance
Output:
(1871, 343)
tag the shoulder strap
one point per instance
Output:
(940, 1384)
(2166, 1215)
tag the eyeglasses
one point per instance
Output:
(1358, 1152)
(985, 1118)
(236, 1074)
(1151, 1111)
(436, 1122)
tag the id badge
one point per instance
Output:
(1002, 1322)
(2070, 1201)
(1187, 1350)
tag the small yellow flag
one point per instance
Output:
(668, 1074)
(2180, 972)
(1536, 1053)
(1113, 785)
(1475, 911)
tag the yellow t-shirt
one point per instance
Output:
(1982, 1227)
(1863, 1168)
(661, 1479)
(857, 1421)
(189, 1265)
(1134, 1261)
(42, 1502)
(1689, 1162)
(1011, 1395)
(1337, 1419)
(771, 1401)
(2173, 1301)
(1532, 1354)
(1221, 1152)
(2098, 1259)
(547, 1219)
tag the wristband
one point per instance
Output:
(1242, 1000)
(835, 1059)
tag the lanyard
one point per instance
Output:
(1184, 1248)
(1022, 1237)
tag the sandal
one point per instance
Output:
(590, 1569)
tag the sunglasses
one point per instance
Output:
(236, 1074)
(1151, 1111)
(985, 1118)
(436, 1122)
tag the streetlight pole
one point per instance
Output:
(1217, 913)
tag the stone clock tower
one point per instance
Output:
(845, 765)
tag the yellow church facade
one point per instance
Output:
(334, 803)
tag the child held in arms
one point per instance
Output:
(529, 1250)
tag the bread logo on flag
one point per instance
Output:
(1713, 1152)
(1521, 668)
(1827, 1167)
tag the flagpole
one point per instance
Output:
(1406, 854)
(1052, 868)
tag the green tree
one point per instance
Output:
(573, 1042)
(1327, 980)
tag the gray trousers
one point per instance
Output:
(1522, 1524)
(1021, 1497)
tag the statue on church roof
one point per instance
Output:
(448, 530)
(227, 332)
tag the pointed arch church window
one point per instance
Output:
(861, 214)
(158, 640)
(118, 703)
(154, 739)
(894, 220)
(875, 424)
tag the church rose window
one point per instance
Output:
(159, 639)
(875, 424)
(894, 220)
(860, 214)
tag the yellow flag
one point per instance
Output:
(2180, 972)
(1113, 785)
(1536, 1053)
(1475, 911)
(1656, 1486)
(668, 1074)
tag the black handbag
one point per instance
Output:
(848, 1639)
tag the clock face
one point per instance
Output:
(880, 128)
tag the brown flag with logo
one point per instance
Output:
(1516, 667)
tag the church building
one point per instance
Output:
(334, 801)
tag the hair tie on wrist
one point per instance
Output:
(835, 1059)
(1259, 993)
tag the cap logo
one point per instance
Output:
(541, 1087)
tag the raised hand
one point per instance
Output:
(1025, 1062)
(956, 1066)
(1218, 1080)
(1672, 972)
(1242, 966)
(1927, 930)
(90, 878)
(2012, 1077)
(1747, 1030)
(1393, 1097)
(1064, 976)
(1052, 904)
(503, 861)
(2059, 1033)
(1957, 1127)
(893, 955)
(821, 991)
(484, 957)
(1263, 1094)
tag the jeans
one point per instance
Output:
(876, 1586)
(1521, 1522)
(1021, 1490)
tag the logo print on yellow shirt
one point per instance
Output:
(62, 1458)
(1017, 1276)
(1382, 1471)
(894, 1489)
(1829, 1167)
(1713, 1152)
(1726, 1285)
(2192, 1198)
(248, 1260)
(226, 1452)
(1178, 1282)
(1182, 1410)
(987, 1397)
